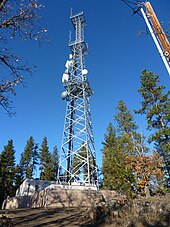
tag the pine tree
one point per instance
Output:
(35, 158)
(77, 161)
(124, 119)
(45, 161)
(7, 171)
(51, 165)
(55, 163)
(19, 177)
(156, 107)
(126, 127)
(115, 174)
(29, 158)
(80, 163)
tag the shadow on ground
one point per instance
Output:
(44, 217)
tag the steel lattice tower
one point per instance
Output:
(77, 156)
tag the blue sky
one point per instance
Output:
(117, 55)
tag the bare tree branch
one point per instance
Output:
(18, 20)
(2, 3)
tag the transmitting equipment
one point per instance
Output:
(77, 159)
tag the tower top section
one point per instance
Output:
(78, 21)
(79, 15)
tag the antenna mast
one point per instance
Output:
(77, 156)
(157, 33)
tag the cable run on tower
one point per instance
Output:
(77, 156)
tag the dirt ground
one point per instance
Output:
(141, 212)
(45, 217)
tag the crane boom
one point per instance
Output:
(157, 34)
(158, 30)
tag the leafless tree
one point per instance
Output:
(19, 19)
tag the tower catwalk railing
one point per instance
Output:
(77, 156)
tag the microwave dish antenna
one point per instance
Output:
(77, 161)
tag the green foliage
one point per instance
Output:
(77, 167)
(54, 163)
(79, 163)
(48, 162)
(156, 107)
(121, 144)
(19, 177)
(116, 175)
(7, 171)
(12, 176)
(45, 159)
(29, 158)
(124, 119)
(126, 128)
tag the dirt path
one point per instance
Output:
(44, 217)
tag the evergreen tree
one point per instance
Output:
(80, 163)
(19, 177)
(124, 119)
(116, 175)
(156, 107)
(54, 163)
(35, 158)
(126, 128)
(7, 171)
(46, 172)
(77, 161)
(29, 158)
(132, 142)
